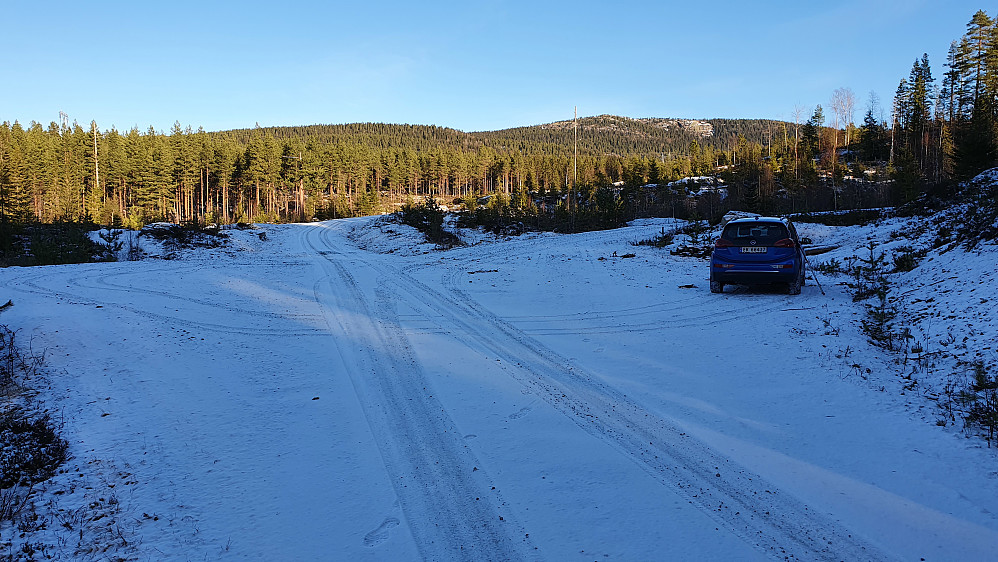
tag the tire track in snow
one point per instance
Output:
(27, 284)
(765, 517)
(674, 306)
(683, 313)
(103, 283)
(444, 493)
(588, 325)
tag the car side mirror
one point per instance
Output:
(806, 241)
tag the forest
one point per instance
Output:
(937, 131)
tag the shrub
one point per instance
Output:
(110, 245)
(944, 236)
(697, 229)
(869, 275)
(878, 324)
(30, 447)
(858, 217)
(830, 267)
(428, 218)
(981, 398)
(14, 366)
(907, 258)
(594, 208)
(661, 240)
(187, 235)
(58, 243)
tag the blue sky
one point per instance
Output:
(465, 64)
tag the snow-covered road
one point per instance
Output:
(536, 398)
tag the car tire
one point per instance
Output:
(716, 286)
(794, 287)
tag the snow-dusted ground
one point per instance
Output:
(340, 391)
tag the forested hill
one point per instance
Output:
(600, 135)
(375, 135)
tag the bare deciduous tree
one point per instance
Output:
(843, 108)
(848, 111)
(798, 111)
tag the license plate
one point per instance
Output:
(754, 249)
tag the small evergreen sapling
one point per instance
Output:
(111, 244)
(981, 398)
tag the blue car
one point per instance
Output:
(758, 250)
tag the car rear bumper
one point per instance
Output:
(742, 274)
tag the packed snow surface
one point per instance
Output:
(338, 390)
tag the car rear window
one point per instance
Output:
(764, 233)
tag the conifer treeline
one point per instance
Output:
(968, 100)
(950, 131)
(297, 173)
(936, 134)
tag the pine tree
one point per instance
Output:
(871, 145)
(13, 175)
(980, 36)
(919, 110)
(974, 67)
(811, 134)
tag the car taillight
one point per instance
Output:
(785, 243)
(722, 243)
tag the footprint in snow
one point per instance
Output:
(381, 534)
(523, 411)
